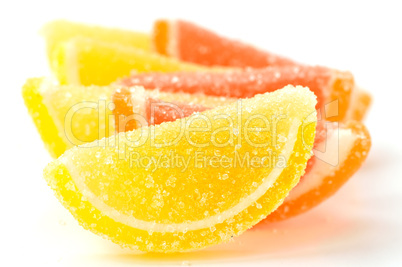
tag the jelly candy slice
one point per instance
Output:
(325, 176)
(58, 31)
(189, 42)
(92, 62)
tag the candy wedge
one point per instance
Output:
(333, 88)
(155, 107)
(70, 115)
(350, 144)
(59, 31)
(47, 129)
(113, 191)
(189, 42)
(92, 62)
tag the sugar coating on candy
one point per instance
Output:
(177, 208)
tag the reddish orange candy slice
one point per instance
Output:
(327, 84)
(189, 42)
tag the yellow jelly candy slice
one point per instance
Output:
(88, 61)
(58, 31)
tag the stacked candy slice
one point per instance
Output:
(189, 42)
(116, 86)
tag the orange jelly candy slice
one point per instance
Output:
(325, 175)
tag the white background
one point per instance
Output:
(360, 225)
